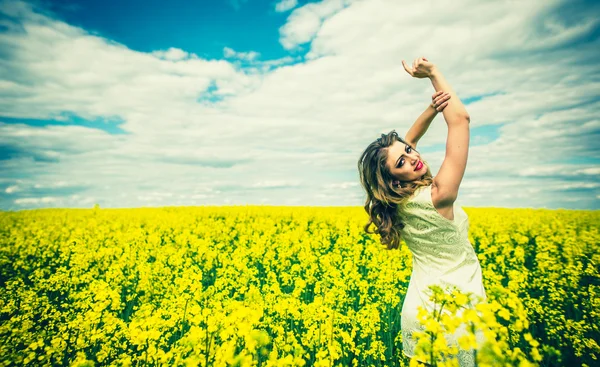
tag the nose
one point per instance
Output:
(415, 160)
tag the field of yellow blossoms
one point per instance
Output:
(283, 286)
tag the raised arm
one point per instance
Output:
(439, 101)
(420, 126)
(446, 183)
(455, 109)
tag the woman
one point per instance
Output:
(405, 202)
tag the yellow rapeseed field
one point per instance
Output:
(284, 286)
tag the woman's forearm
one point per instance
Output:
(420, 126)
(455, 109)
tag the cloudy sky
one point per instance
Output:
(152, 103)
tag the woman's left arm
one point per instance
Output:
(420, 126)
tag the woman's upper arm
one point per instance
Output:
(453, 168)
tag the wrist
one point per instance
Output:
(434, 73)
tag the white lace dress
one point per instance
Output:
(443, 255)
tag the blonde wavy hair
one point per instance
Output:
(383, 196)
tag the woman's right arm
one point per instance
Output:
(455, 109)
(449, 177)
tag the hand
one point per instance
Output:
(440, 100)
(421, 68)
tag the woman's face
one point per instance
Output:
(403, 162)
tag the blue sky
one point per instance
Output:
(153, 103)
(200, 27)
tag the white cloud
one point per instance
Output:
(42, 200)
(590, 171)
(231, 53)
(304, 22)
(285, 5)
(559, 170)
(172, 54)
(12, 189)
(341, 185)
(274, 184)
(216, 132)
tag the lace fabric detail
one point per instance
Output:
(438, 244)
(443, 255)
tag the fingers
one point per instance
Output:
(440, 101)
(436, 94)
(406, 67)
(418, 61)
(442, 106)
(441, 98)
(415, 64)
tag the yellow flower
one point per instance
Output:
(504, 314)
(461, 299)
(467, 341)
(422, 313)
(440, 343)
(470, 315)
(433, 326)
(451, 322)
